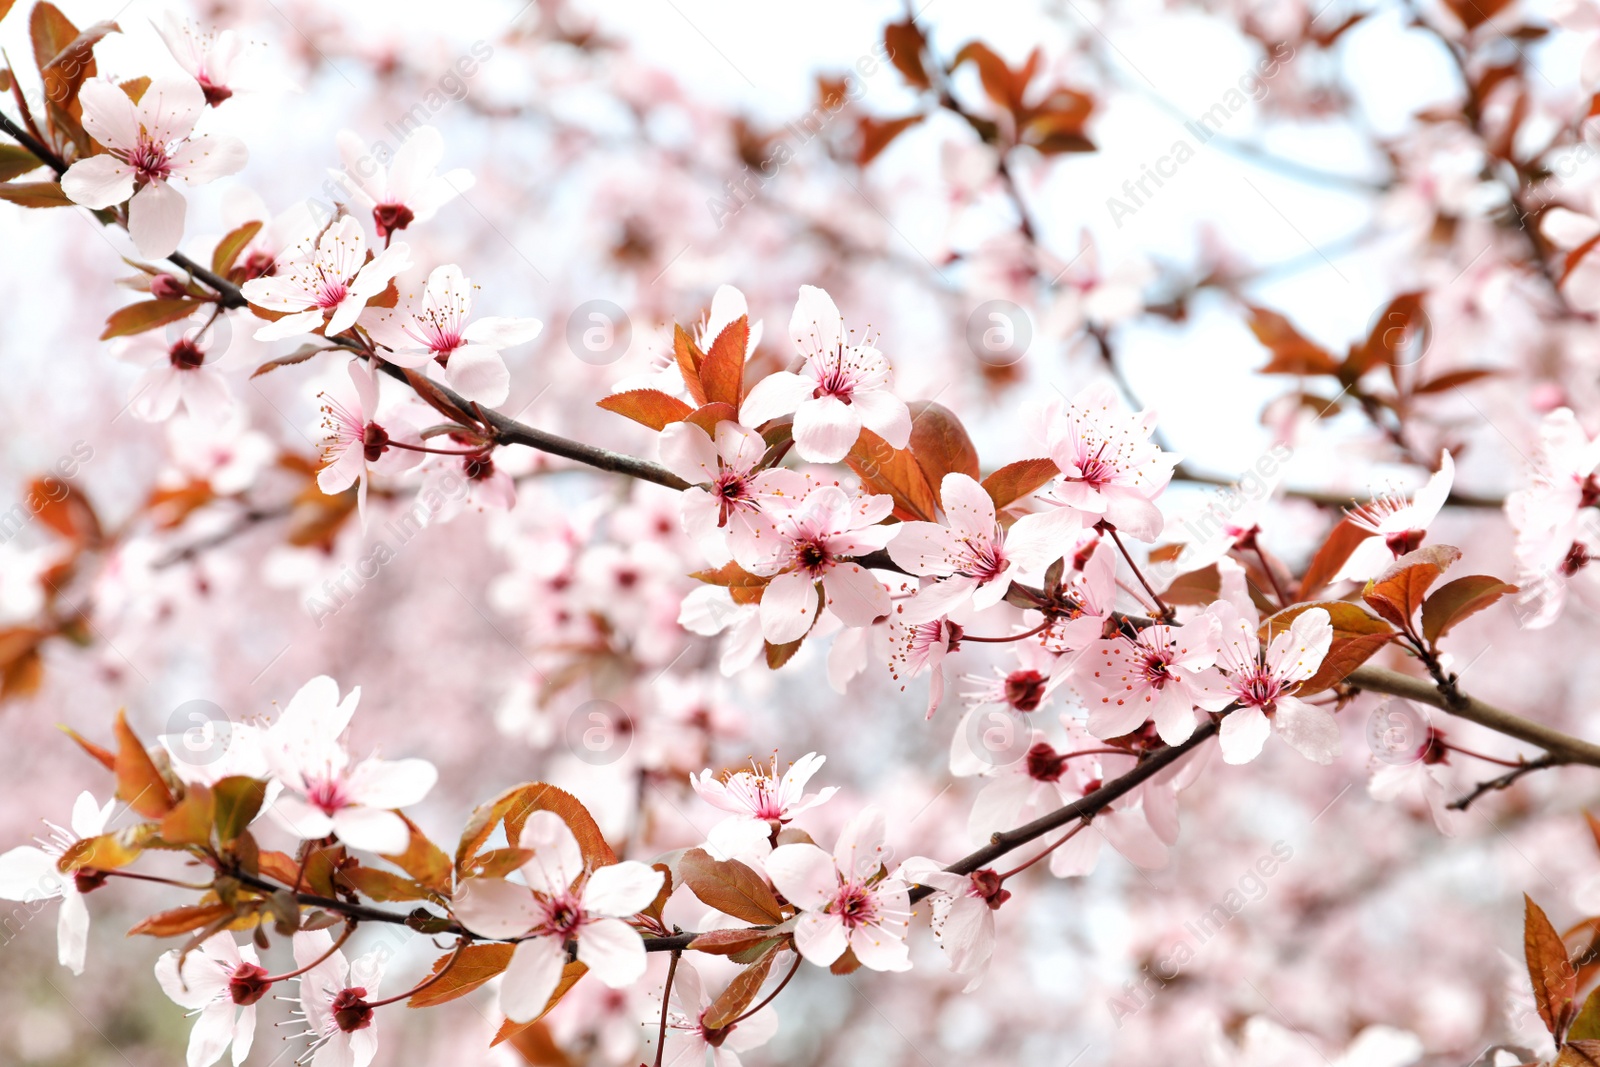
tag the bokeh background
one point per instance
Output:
(603, 137)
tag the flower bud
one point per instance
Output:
(166, 287)
(248, 984)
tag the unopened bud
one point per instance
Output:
(166, 287)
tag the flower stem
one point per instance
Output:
(770, 996)
(666, 999)
(1068, 836)
(349, 928)
(451, 962)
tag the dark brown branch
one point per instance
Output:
(1502, 782)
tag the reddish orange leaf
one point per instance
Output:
(651, 407)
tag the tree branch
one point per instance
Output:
(1561, 747)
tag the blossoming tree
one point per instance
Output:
(796, 538)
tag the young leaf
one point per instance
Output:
(1397, 593)
(189, 822)
(146, 315)
(1341, 541)
(382, 885)
(139, 783)
(739, 995)
(940, 444)
(16, 161)
(238, 801)
(689, 358)
(1549, 969)
(477, 964)
(722, 372)
(730, 887)
(515, 805)
(103, 755)
(34, 194)
(106, 852)
(1456, 600)
(232, 243)
(727, 942)
(884, 469)
(1292, 353)
(1016, 480)
(182, 920)
(423, 860)
(650, 407)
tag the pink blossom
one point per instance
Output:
(845, 900)
(841, 389)
(963, 913)
(1111, 470)
(812, 543)
(453, 484)
(212, 59)
(324, 284)
(324, 792)
(176, 372)
(762, 795)
(432, 331)
(727, 487)
(562, 901)
(1161, 675)
(356, 443)
(916, 646)
(1395, 525)
(148, 144)
(688, 1039)
(215, 982)
(29, 873)
(335, 997)
(1264, 685)
(406, 190)
(970, 557)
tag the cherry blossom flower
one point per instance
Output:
(406, 190)
(919, 646)
(561, 902)
(1090, 582)
(688, 1039)
(726, 487)
(1017, 693)
(841, 389)
(1086, 296)
(845, 901)
(1264, 685)
(727, 307)
(356, 444)
(325, 793)
(176, 372)
(454, 483)
(971, 558)
(1161, 675)
(1043, 779)
(433, 331)
(212, 59)
(963, 913)
(29, 873)
(1395, 525)
(810, 544)
(1111, 470)
(219, 983)
(147, 145)
(762, 796)
(324, 284)
(335, 1002)
(709, 610)
(1417, 771)
(1564, 477)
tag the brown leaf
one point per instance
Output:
(708, 415)
(34, 194)
(516, 804)
(1397, 593)
(73, 62)
(382, 885)
(877, 134)
(1341, 541)
(1452, 380)
(189, 821)
(16, 161)
(940, 444)
(146, 315)
(477, 964)
(1292, 353)
(424, 860)
(1458, 599)
(65, 510)
(1348, 620)
(299, 355)
(651, 407)
(904, 42)
(739, 994)
(139, 783)
(1392, 330)
(730, 887)
(744, 587)
(1343, 657)
(103, 755)
(232, 243)
(727, 942)
(182, 920)
(722, 371)
(883, 469)
(107, 852)
(689, 358)
(1549, 969)
(1016, 480)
